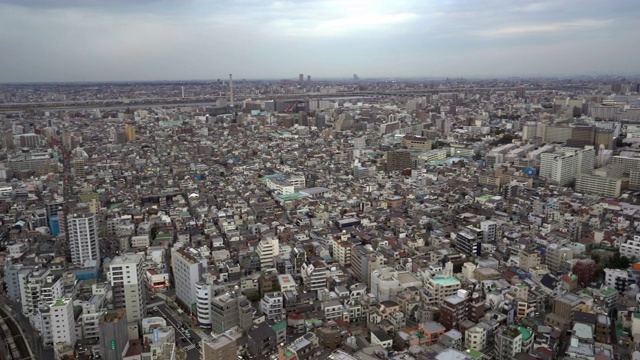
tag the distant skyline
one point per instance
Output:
(147, 40)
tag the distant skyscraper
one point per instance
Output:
(231, 89)
(301, 77)
(130, 132)
(308, 78)
(356, 77)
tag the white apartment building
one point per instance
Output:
(489, 230)
(599, 185)
(203, 298)
(616, 279)
(127, 283)
(333, 310)
(272, 305)
(475, 338)
(188, 266)
(631, 248)
(83, 238)
(267, 250)
(442, 286)
(314, 276)
(63, 325)
(564, 166)
(39, 288)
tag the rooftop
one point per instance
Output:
(61, 302)
(445, 281)
(526, 333)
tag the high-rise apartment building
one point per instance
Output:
(130, 133)
(78, 168)
(398, 160)
(83, 238)
(188, 266)
(63, 324)
(127, 282)
(114, 335)
(460, 307)
(203, 297)
(363, 261)
(443, 286)
(556, 255)
(489, 230)
(599, 185)
(40, 287)
(229, 310)
(469, 241)
(563, 167)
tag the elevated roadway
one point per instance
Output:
(14, 345)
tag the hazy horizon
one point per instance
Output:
(196, 40)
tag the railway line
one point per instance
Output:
(13, 345)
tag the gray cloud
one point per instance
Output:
(67, 40)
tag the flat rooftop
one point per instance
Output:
(445, 281)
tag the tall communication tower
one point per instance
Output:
(231, 90)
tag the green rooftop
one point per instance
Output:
(526, 334)
(277, 327)
(474, 353)
(291, 196)
(60, 302)
(445, 281)
(610, 292)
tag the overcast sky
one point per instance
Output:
(95, 40)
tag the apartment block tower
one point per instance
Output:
(268, 249)
(63, 324)
(83, 238)
(188, 266)
(229, 310)
(39, 287)
(469, 241)
(563, 167)
(127, 281)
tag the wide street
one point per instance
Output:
(189, 346)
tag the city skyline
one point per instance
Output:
(73, 40)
